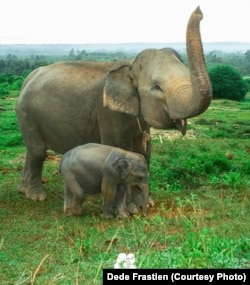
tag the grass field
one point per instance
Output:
(201, 219)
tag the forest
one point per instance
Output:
(14, 68)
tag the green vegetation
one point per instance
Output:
(227, 83)
(15, 67)
(12, 64)
(10, 82)
(247, 80)
(23, 59)
(239, 60)
(200, 185)
(201, 218)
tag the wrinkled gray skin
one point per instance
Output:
(67, 104)
(94, 168)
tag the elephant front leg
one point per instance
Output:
(114, 199)
(119, 205)
(31, 180)
(131, 207)
(139, 200)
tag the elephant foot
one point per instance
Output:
(73, 212)
(22, 190)
(67, 212)
(36, 197)
(132, 209)
(118, 213)
(32, 194)
(122, 215)
(108, 215)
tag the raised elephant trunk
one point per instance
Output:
(201, 87)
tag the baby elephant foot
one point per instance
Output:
(132, 208)
(115, 213)
(122, 215)
(108, 215)
(22, 189)
(73, 212)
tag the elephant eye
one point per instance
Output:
(157, 87)
(139, 178)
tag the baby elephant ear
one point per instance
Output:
(119, 93)
(122, 167)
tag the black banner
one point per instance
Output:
(171, 276)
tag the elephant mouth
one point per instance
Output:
(179, 124)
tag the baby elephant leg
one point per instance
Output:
(119, 205)
(113, 204)
(74, 196)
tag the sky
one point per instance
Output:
(120, 21)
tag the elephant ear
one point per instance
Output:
(122, 167)
(119, 93)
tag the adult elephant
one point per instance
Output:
(72, 103)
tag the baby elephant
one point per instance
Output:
(95, 168)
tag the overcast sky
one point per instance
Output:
(118, 21)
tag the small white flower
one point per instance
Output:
(125, 261)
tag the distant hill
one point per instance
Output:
(64, 49)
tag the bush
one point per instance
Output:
(10, 82)
(247, 80)
(4, 90)
(227, 83)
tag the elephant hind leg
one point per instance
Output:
(31, 179)
(74, 197)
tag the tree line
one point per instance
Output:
(14, 69)
(18, 65)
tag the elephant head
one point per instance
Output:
(133, 171)
(159, 87)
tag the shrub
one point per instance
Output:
(227, 83)
(247, 80)
(4, 90)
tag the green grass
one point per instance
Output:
(201, 217)
(225, 119)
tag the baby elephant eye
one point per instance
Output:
(139, 178)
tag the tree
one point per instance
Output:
(227, 83)
(247, 61)
(72, 54)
